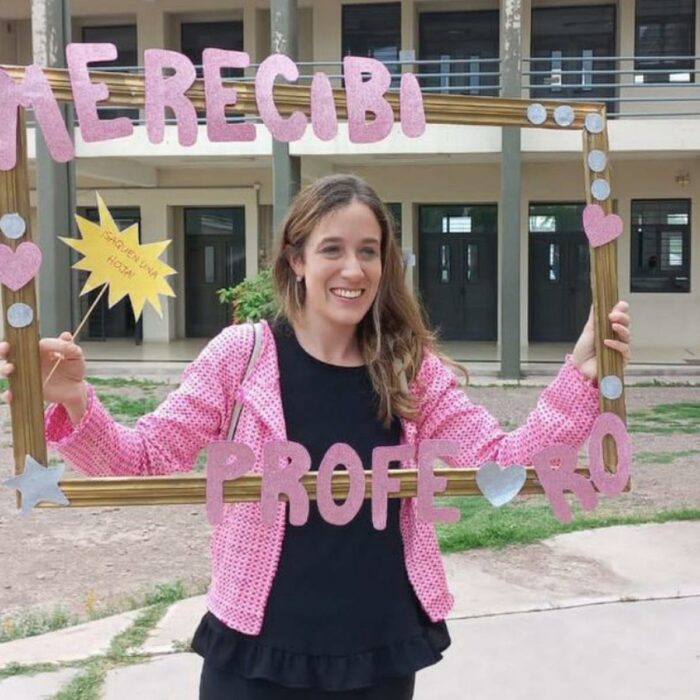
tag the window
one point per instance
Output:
(395, 211)
(660, 245)
(197, 36)
(374, 31)
(664, 28)
(567, 46)
(556, 218)
(124, 38)
(452, 218)
(456, 44)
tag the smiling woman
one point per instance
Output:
(339, 274)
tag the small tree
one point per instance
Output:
(251, 300)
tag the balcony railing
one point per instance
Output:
(630, 86)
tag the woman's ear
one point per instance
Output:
(295, 262)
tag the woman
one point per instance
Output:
(320, 611)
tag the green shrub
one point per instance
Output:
(252, 299)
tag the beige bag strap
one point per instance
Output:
(254, 354)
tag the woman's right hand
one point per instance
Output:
(67, 384)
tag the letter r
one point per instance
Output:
(285, 480)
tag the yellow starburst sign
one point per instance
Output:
(117, 259)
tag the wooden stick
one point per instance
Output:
(77, 331)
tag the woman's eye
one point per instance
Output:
(369, 252)
(330, 250)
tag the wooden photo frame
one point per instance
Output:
(129, 90)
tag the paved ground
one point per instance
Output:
(613, 613)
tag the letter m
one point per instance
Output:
(33, 92)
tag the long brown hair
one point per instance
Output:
(393, 334)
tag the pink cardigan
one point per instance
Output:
(244, 553)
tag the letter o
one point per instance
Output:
(331, 512)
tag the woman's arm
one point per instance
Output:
(169, 438)
(564, 414)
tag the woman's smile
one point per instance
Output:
(347, 293)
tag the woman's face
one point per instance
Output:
(342, 265)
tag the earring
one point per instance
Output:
(299, 278)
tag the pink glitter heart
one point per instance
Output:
(601, 228)
(20, 266)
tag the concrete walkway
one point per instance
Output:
(600, 614)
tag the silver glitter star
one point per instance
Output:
(38, 483)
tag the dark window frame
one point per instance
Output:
(572, 85)
(668, 282)
(670, 66)
(346, 9)
(226, 72)
(395, 209)
(490, 83)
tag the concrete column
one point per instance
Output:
(156, 225)
(409, 26)
(55, 182)
(286, 169)
(150, 28)
(511, 193)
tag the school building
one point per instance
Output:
(489, 223)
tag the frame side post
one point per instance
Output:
(27, 406)
(604, 287)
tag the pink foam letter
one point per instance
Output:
(556, 480)
(324, 118)
(162, 92)
(226, 461)
(607, 483)
(217, 96)
(293, 127)
(340, 453)
(382, 483)
(429, 484)
(87, 94)
(33, 92)
(367, 96)
(285, 480)
(412, 109)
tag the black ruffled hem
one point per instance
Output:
(244, 655)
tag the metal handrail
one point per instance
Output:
(530, 59)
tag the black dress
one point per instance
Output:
(342, 617)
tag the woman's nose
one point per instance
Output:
(352, 268)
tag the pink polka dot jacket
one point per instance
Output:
(244, 553)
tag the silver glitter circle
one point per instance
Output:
(20, 315)
(600, 189)
(564, 115)
(12, 225)
(597, 161)
(611, 387)
(537, 113)
(594, 123)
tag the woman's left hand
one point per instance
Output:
(584, 356)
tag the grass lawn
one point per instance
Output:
(681, 417)
(529, 520)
